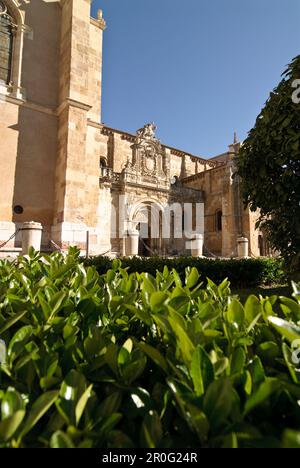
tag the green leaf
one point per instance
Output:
(291, 439)
(230, 441)
(264, 392)
(192, 278)
(109, 423)
(287, 353)
(73, 397)
(220, 366)
(184, 343)
(38, 410)
(257, 371)
(110, 405)
(199, 422)
(11, 402)
(201, 370)
(218, 401)
(253, 308)
(82, 402)
(12, 321)
(155, 355)
(56, 304)
(149, 283)
(268, 351)
(238, 361)
(287, 329)
(236, 312)
(128, 345)
(60, 440)
(17, 343)
(158, 300)
(151, 431)
(9, 425)
(248, 383)
(290, 306)
(111, 358)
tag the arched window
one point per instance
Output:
(104, 170)
(7, 28)
(219, 216)
(103, 162)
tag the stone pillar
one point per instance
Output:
(31, 236)
(197, 246)
(132, 243)
(243, 247)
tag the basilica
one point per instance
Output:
(90, 185)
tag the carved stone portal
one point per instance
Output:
(148, 156)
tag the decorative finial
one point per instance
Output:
(235, 141)
(101, 20)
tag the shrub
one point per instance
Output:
(240, 273)
(133, 360)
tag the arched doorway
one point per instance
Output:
(147, 218)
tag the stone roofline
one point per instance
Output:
(131, 138)
(200, 175)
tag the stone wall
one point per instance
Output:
(28, 127)
(211, 182)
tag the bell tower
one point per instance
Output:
(79, 103)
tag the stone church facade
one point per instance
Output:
(61, 167)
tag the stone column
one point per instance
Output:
(132, 243)
(197, 246)
(243, 247)
(31, 236)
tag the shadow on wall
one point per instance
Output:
(37, 128)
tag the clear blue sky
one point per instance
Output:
(199, 69)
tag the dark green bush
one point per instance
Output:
(141, 361)
(241, 273)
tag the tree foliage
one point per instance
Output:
(269, 166)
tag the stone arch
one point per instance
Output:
(146, 201)
(146, 216)
(14, 8)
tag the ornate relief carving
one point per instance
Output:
(148, 156)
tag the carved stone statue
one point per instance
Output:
(147, 132)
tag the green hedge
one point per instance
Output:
(240, 273)
(125, 361)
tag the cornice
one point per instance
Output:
(220, 167)
(30, 105)
(72, 103)
(99, 23)
(105, 130)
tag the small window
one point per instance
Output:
(219, 216)
(6, 43)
